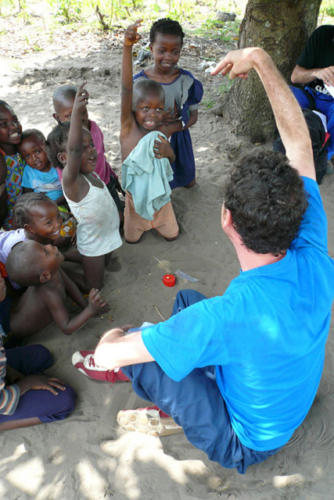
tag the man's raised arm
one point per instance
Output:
(288, 115)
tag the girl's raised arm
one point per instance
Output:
(130, 38)
(74, 144)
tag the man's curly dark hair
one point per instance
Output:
(267, 201)
(166, 26)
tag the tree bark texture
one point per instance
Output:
(281, 28)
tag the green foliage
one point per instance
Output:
(37, 48)
(105, 14)
(327, 9)
(7, 7)
(208, 102)
(67, 10)
(121, 9)
(226, 31)
(225, 86)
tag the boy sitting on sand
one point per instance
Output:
(27, 397)
(146, 154)
(37, 267)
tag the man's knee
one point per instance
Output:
(185, 298)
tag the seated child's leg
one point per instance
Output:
(134, 225)
(165, 222)
(94, 271)
(40, 406)
(29, 359)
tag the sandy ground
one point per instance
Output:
(87, 456)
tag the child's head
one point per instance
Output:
(30, 263)
(266, 199)
(166, 40)
(56, 148)
(56, 144)
(32, 150)
(38, 215)
(148, 103)
(10, 129)
(63, 100)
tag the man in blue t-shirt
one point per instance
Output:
(239, 372)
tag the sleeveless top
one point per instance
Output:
(98, 221)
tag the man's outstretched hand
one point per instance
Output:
(238, 63)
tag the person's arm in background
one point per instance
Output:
(314, 55)
(303, 76)
(288, 115)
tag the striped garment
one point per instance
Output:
(10, 395)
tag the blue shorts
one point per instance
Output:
(29, 360)
(196, 404)
(321, 102)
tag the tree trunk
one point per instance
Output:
(281, 28)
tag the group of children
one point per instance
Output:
(47, 183)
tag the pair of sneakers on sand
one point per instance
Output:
(149, 420)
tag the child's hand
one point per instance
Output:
(131, 36)
(81, 100)
(171, 115)
(96, 302)
(41, 382)
(162, 149)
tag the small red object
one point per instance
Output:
(168, 279)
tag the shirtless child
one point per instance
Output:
(37, 267)
(145, 151)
